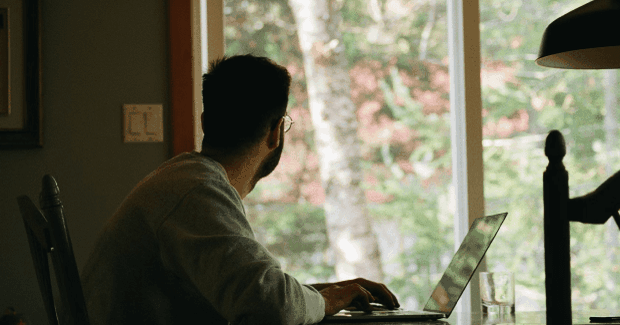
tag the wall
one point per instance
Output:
(97, 56)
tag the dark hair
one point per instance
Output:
(244, 96)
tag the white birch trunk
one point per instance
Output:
(335, 128)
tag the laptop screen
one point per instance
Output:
(464, 264)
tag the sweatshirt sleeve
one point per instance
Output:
(207, 240)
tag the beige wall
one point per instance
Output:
(97, 56)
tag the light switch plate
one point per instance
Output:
(143, 123)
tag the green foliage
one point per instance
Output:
(433, 130)
(423, 257)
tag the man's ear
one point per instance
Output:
(273, 138)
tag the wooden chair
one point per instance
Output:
(48, 234)
(559, 210)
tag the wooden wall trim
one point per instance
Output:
(181, 81)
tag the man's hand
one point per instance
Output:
(338, 298)
(359, 293)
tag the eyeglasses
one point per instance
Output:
(288, 122)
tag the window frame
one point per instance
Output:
(466, 129)
(186, 48)
(181, 79)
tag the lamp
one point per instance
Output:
(585, 38)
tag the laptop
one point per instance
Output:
(442, 301)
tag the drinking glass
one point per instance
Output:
(497, 292)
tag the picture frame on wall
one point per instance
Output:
(20, 75)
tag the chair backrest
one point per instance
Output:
(48, 234)
(556, 232)
(595, 207)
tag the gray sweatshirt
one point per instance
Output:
(180, 250)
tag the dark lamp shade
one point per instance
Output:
(585, 38)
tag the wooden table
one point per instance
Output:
(529, 318)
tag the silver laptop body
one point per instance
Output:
(452, 284)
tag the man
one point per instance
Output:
(180, 250)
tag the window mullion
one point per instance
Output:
(209, 41)
(466, 127)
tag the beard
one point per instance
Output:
(270, 163)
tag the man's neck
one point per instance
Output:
(240, 171)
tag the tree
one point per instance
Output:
(335, 129)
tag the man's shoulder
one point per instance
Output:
(198, 194)
(162, 190)
(184, 172)
(193, 165)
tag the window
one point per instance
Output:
(396, 59)
(397, 56)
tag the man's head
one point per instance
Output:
(245, 98)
